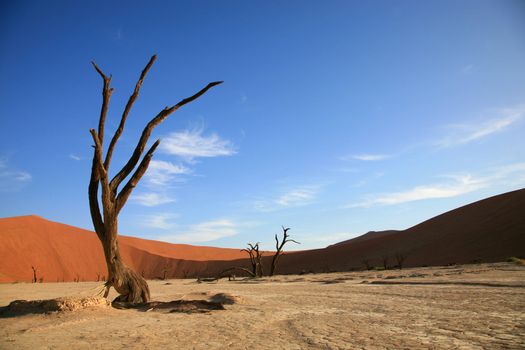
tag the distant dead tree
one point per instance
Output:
(98, 276)
(34, 273)
(384, 260)
(130, 285)
(279, 248)
(367, 264)
(77, 278)
(229, 273)
(400, 259)
(255, 259)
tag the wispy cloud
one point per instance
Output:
(244, 98)
(468, 69)
(204, 232)
(161, 173)
(366, 157)
(151, 199)
(12, 179)
(191, 144)
(298, 196)
(455, 185)
(465, 133)
(162, 221)
(321, 239)
(458, 186)
(74, 157)
(294, 197)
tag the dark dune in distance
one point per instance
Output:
(489, 230)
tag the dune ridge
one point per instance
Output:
(489, 230)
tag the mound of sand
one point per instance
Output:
(23, 307)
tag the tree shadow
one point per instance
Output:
(184, 306)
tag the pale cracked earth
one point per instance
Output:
(458, 307)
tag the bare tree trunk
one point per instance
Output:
(384, 259)
(34, 273)
(131, 286)
(255, 259)
(279, 249)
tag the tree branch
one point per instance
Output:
(98, 154)
(135, 178)
(106, 95)
(130, 103)
(166, 112)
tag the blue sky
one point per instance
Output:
(333, 120)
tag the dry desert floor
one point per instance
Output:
(456, 307)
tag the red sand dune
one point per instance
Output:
(63, 253)
(489, 230)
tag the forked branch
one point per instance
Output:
(255, 259)
(279, 248)
(165, 113)
(124, 117)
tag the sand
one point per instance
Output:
(489, 230)
(456, 307)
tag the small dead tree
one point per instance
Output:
(400, 259)
(279, 248)
(130, 285)
(367, 264)
(34, 273)
(384, 260)
(255, 259)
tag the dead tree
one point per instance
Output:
(255, 259)
(384, 260)
(129, 284)
(400, 259)
(34, 273)
(226, 272)
(367, 264)
(279, 248)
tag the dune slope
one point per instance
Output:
(489, 230)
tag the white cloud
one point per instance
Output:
(152, 199)
(74, 157)
(366, 157)
(466, 133)
(191, 144)
(298, 196)
(12, 179)
(295, 197)
(468, 69)
(443, 190)
(163, 221)
(456, 186)
(204, 232)
(322, 239)
(160, 173)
